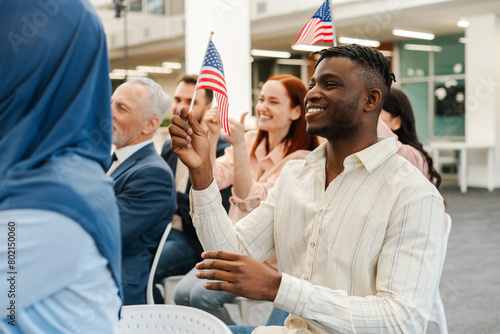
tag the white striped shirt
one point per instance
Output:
(363, 256)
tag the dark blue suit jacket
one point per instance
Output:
(145, 190)
(183, 196)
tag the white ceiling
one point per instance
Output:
(440, 18)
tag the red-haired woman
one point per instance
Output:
(254, 160)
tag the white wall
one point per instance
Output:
(482, 121)
(230, 20)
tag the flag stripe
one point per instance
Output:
(212, 85)
(326, 29)
(223, 107)
(210, 71)
(214, 88)
(209, 81)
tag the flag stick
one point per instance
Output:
(203, 60)
(333, 23)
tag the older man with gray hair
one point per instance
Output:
(143, 182)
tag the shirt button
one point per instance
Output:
(313, 244)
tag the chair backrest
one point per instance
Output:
(149, 288)
(141, 319)
(169, 285)
(447, 228)
(438, 315)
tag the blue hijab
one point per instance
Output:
(55, 117)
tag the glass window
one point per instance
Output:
(441, 64)
(135, 5)
(414, 64)
(449, 115)
(156, 7)
(451, 58)
(289, 69)
(418, 94)
(150, 6)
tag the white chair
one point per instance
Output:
(438, 315)
(149, 288)
(169, 319)
(243, 304)
(169, 285)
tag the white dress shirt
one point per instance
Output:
(363, 256)
(124, 153)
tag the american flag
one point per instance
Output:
(212, 77)
(318, 28)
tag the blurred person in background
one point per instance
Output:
(143, 182)
(398, 121)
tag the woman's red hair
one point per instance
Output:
(297, 137)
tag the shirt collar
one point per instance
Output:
(371, 157)
(276, 155)
(124, 153)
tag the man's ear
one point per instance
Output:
(373, 98)
(151, 125)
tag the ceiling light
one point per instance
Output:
(308, 48)
(172, 65)
(117, 76)
(413, 34)
(270, 53)
(365, 42)
(420, 47)
(463, 24)
(154, 69)
(298, 62)
(130, 73)
(386, 53)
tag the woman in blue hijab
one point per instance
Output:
(59, 226)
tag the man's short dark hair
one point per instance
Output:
(191, 80)
(377, 68)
